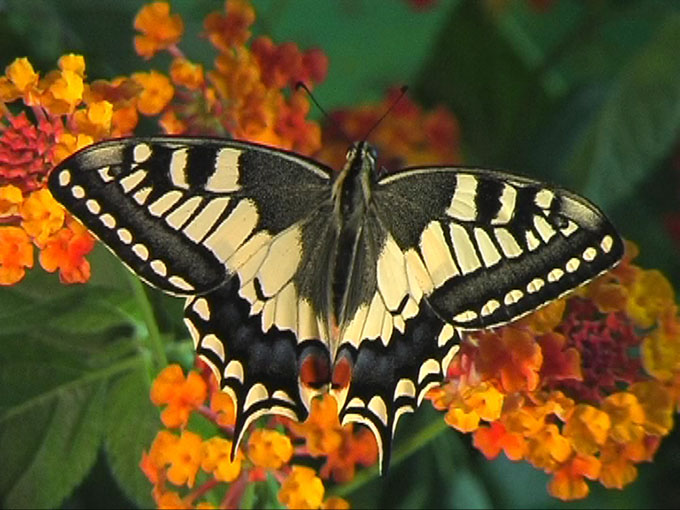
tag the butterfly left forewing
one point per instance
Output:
(175, 210)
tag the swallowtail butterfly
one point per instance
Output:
(299, 280)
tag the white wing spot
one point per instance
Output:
(201, 307)
(532, 240)
(466, 316)
(178, 163)
(235, 370)
(544, 228)
(281, 263)
(286, 308)
(429, 367)
(448, 358)
(141, 195)
(307, 327)
(64, 178)
(159, 267)
(180, 283)
(607, 243)
(233, 231)
(78, 192)
(141, 152)
(490, 307)
(105, 174)
(555, 275)
(93, 206)
(256, 394)
(436, 254)
(507, 199)
(181, 215)
(374, 318)
(214, 344)
(513, 297)
(130, 182)
(404, 388)
(490, 255)
(108, 220)
(569, 229)
(572, 265)
(193, 332)
(199, 227)
(391, 275)
(445, 335)
(464, 248)
(544, 198)
(462, 205)
(377, 405)
(124, 235)
(508, 243)
(419, 281)
(589, 254)
(141, 251)
(535, 285)
(226, 174)
(164, 203)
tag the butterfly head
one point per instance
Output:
(361, 155)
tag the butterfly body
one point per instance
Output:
(300, 280)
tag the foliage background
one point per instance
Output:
(581, 93)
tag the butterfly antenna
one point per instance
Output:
(402, 93)
(301, 85)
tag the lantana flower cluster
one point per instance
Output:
(188, 469)
(582, 389)
(62, 113)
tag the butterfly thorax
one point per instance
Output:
(351, 196)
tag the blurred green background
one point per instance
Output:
(581, 93)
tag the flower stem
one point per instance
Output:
(414, 443)
(154, 337)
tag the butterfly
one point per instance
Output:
(300, 280)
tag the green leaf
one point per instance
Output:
(131, 424)
(495, 95)
(49, 445)
(637, 125)
(57, 362)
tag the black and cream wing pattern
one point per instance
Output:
(300, 280)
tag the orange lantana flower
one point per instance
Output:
(41, 215)
(302, 489)
(182, 395)
(66, 251)
(187, 73)
(568, 482)
(156, 94)
(269, 449)
(231, 29)
(16, 254)
(185, 459)
(217, 459)
(159, 29)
